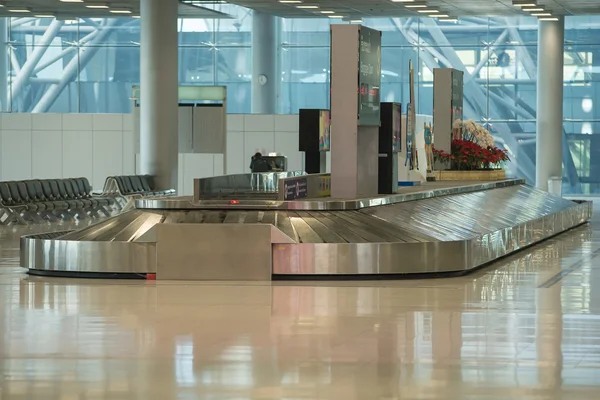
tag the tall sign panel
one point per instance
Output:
(447, 106)
(355, 110)
(369, 77)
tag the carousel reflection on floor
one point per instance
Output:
(525, 328)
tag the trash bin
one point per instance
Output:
(555, 186)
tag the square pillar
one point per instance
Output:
(355, 110)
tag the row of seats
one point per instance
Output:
(130, 185)
(52, 197)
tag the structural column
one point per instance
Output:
(551, 40)
(4, 98)
(265, 29)
(159, 92)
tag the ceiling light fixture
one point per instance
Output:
(549, 19)
(71, 1)
(120, 11)
(420, 4)
(335, 16)
(403, 1)
(546, 14)
(19, 10)
(428, 11)
(517, 3)
(440, 16)
(308, 7)
(43, 15)
(356, 21)
(533, 9)
(327, 12)
(99, 6)
(290, 1)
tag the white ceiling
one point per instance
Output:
(346, 8)
(69, 9)
(387, 8)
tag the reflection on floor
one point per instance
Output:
(525, 328)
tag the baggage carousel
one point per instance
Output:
(446, 228)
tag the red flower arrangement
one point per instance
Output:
(468, 156)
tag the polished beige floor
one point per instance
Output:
(525, 328)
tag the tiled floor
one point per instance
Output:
(511, 331)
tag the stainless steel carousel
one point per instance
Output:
(447, 228)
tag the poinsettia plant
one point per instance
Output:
(474, 151)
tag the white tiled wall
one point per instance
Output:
(99, 145)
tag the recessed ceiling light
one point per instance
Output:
(403, 1)
(533, 9)
(428, 11)
(541, 14)
(440, 15)
(71, 1)
(290, 1)
(549, 19)
(97, 6)
(135, 16)
(336, 16)
(327, 12)
(356, 21)
(416, 6)
(307, 6)
(120, 11)
(18, 10)
(524, 4)
(43, 15)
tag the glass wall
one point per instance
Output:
(89, 65)
(499, 57)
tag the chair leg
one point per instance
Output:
(104, 211)
(50, 216)
(16, 217)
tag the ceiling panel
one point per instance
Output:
(69, 9)
(388, 8)
(346, 8)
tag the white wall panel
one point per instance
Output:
(263, 142)
(77, 122)
(235, 122)
(99, 145)
(128, 122)
(237, 163)
(180, 170)
(46, 122)
(128, 152)
(16, 122)
(16, 155)
(77, 155)
(196, 166)
(218, 165)
(259, 123)
(286, 143)
(108, 122)
(46, 154)
(108, 156)
(286, 123)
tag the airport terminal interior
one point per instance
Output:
(300, 199)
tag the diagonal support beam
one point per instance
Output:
(34, 58)
(72, 69)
